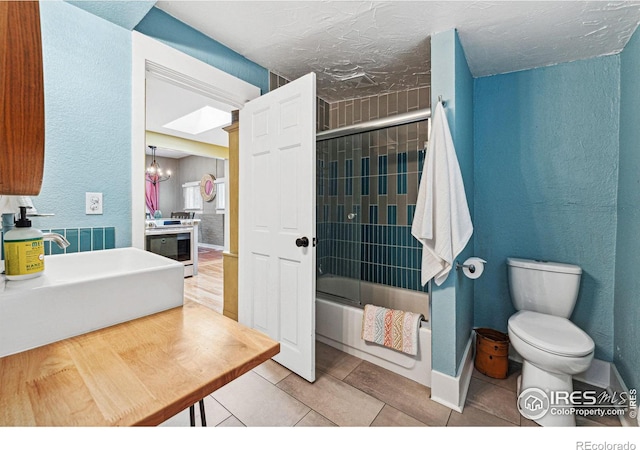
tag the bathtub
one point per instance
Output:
(339, 324)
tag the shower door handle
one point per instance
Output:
(302, 242)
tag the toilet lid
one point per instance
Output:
(552, 334)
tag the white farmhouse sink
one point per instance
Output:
(82, 292)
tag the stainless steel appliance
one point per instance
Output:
(173, 240)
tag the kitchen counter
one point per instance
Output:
(140, 372)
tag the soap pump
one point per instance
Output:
(23, 250)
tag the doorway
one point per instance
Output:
(186, 139)
(155, 59)
(176, 76)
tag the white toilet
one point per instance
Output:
(553, 349)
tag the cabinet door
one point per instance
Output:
(22, 99)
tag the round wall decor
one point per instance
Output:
(208, 188)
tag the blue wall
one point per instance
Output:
(546, 173)
(127, 14)
(165, 28)
(626, 312)
(452, 302)
(87, 77)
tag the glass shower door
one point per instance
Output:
(339, 219)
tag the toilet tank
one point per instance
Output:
(543, 286)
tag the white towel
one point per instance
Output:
(9, 204)
(12, 204)
(442, 222)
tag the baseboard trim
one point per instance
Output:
(452, 391)
(618, 385)
(598, 374)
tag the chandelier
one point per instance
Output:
(154, 172)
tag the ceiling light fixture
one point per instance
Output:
(154, 173)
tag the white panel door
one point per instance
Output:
(277, 219)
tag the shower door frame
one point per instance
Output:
(362, 129)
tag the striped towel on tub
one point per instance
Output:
(392, 328)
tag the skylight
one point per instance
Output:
(200, 120)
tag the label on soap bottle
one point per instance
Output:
(24, 257)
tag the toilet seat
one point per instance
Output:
(551, 334)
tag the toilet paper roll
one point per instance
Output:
(473, 267)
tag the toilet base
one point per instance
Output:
(534, 377)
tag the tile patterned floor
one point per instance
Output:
(348, 391)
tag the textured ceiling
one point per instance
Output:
(388, 41)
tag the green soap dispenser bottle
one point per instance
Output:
(23, 250)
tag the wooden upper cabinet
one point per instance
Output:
(22, 98)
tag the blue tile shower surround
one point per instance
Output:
(373, 214)
(376, 176)
(382, 175)
(348, 173)
(402, 173)
(333, 178)
(320, 178)
(392, 215)
(421, 155)
(365, 174)
(382, 254)
(82, 240)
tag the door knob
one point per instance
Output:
(302, 242)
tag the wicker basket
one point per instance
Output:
(492, 353)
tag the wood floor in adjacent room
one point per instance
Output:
(207, 286)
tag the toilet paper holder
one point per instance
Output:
(471, 267)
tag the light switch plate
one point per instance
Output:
(93, 203)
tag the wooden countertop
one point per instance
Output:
(140, 372)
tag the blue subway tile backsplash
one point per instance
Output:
(82, 240)
(72, 236)
(85, 239)
(98, 239)
(109, 237)
(55, 250)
